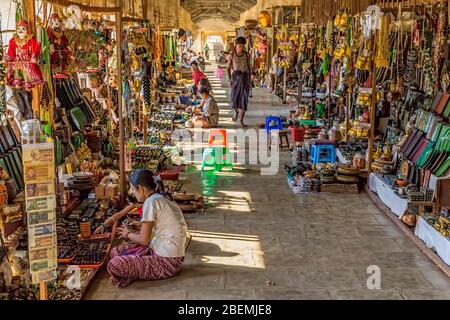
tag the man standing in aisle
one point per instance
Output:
(239, 73)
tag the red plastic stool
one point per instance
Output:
(217, 138)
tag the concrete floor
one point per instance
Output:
(258, 240)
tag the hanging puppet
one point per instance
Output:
(22, 59)
(61, 55)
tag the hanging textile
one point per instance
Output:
(46, 105)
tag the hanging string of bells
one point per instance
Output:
(382, 57)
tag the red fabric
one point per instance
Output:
(197, 76)
(140, 212)
(134, 262)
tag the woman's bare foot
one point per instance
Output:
(243, 125)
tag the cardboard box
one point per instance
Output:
(111, 190)
(100, 190)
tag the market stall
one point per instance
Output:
(373, 98)
(104, 100)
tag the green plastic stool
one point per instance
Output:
(218, 158)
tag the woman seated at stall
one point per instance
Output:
(158, 242)
(185, 98)
(207, 114)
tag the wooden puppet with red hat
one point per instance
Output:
(61, 55)
(22, 59)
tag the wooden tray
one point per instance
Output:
(95, 266)
(340, 188)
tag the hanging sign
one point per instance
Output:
(40, 204)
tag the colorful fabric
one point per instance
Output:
(135, 262)
(240, 90)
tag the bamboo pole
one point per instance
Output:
(119, 27)
(284, 84)
(31, 17)
(372, 106)
(347, 113)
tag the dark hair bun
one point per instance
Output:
(241, 40)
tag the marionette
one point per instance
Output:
(22, 59)
(61, 56)
(261, 42)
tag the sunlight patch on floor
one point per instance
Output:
(237, 250)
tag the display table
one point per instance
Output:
(387, 195)
(433, 239)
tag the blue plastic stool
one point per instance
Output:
(273, 123)
(323, 153)
(217, 158)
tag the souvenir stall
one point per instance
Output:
(69, 94)
(380, 96)
(414, 184)
(330, 98)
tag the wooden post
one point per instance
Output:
(119, 26)
(43, 291)
(329, 95)
(30, 8)
(372, 106)
(347, 113)
(144, 119)
(31, 17)
(284, 84)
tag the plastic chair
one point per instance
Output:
(217, 158)
(217, 138)
(323, 153)
(273, 123)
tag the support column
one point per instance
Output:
(119, 27)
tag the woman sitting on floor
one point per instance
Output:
(208, 111)
(146, 258)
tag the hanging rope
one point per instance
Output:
(2, 82)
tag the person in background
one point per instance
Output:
(185, 98)
(209, 106)
(274, 70)
(239, 74)
(206, 52)
(158, 242)
(207, 113)
(197, 75)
